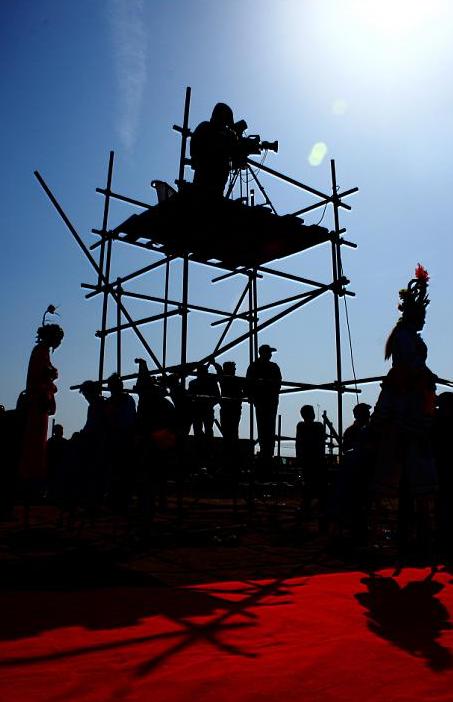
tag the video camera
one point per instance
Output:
(247, 145)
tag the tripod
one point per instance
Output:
(248, 171)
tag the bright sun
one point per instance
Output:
(389, 39)
(396, 20)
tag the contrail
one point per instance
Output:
(130, 55)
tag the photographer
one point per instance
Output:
(220, 146)
(211, 148)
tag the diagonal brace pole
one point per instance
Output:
(232, 318)
(88, 255)
(267, 323)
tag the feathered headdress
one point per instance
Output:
(414, 298)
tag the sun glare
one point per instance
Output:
(384, 40)
(387, 41)
(395, 20)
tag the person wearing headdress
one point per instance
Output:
(39, 405)
(405, 470)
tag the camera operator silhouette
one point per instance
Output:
(211, 148)
(218, 146)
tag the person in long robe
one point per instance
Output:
(405, 472)
(39, 405)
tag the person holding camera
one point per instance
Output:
(212, 146)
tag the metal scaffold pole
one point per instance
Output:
(184, 316)
(252, 356)
(118, 325)
(105, 258)
(185, 270)
(337, 289)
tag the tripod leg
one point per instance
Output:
(262, 190)
(233, 180)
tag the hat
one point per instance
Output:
(266, 347)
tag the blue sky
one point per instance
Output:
(370, 80)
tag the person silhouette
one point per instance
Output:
(232, 392)
(212, 146)
(39, 405)
(350, 502)
(310, 454)
(182, 404)
(205, 394)
(353, 435)
(92, 447)
(120, 426)
(156, 439)
(404, 470)
(57, 451)
(263, 381)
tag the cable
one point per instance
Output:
(323, 212)
(263, 158)
(350, 340)
(351, 352)
(322, 216)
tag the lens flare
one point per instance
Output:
(317, 153)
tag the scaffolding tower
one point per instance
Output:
(247, 308)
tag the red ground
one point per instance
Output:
(338, 636)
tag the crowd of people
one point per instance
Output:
(128, 448)
(394, 481)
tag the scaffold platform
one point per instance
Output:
(229, 231)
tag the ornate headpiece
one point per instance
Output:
(414, 298)
(47, 330)
(51, 309)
